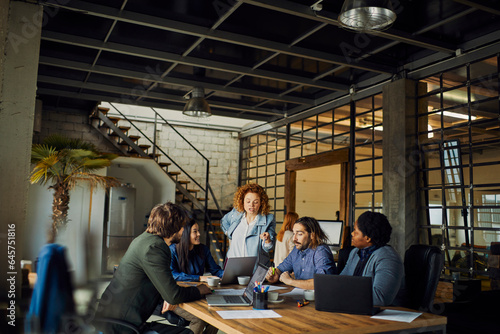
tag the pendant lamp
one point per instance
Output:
(197, 106)
(366, 15)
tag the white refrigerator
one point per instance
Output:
(120, 229)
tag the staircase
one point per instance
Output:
(189, 193)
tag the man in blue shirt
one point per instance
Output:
(311, 255)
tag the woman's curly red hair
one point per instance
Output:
(239, 196)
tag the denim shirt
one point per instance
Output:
(197, 265)
(263, 224)
(304, 264)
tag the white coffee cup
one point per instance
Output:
(272, 296)
(243, 280)
(213, 281)
(309, 294)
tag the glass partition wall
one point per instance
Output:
(356, 126)
(459, 141)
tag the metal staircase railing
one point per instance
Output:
(220, 245)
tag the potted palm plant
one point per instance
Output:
(62, 162)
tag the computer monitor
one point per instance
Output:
(333, 230)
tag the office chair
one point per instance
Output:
(343, 257)
(423, 265)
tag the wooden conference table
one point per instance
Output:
(307, 320)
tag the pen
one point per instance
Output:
(273, 270)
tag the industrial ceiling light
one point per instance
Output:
(366, 15)
(197, 106)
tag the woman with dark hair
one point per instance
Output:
(250, 226)
(190, 257)
(373, 257)
(284, 239)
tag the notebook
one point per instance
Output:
(237, 266)
(344, 294)
(244, 299)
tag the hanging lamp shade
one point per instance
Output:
(197, 106)
(366, 15)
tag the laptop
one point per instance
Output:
(344, 294)
(237, 266)
(245, 299)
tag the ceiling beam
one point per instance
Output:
(305, 11)
(479, 6)
(154, 104)
(191, 61)
(151, 77)
(208, 33)
(127, 92)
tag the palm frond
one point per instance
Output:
(60, 142)
(40, 151)
(46, 169)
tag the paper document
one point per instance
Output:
(396, 315)
(228, 292)
(295, 293)
(246, 314)
(273, 287)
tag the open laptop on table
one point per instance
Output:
(245, 299)
(344, 294)
(238, 266)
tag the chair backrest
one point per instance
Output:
(343, 257)
(423, 266)
(52, 296)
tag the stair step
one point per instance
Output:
(174, 173)
(123, 143)
(193, 190)
(184, 182)
(114, 119)
(104, 110)
(134, 137)
(201, 199)
(144, 146)
(124, 128)
(164, 164)
(114, 134)
(154, 156)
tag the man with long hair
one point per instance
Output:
(144, 277)
(310, 256)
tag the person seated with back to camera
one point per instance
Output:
(373, 257)
(144, 278)
(310, 256)
(190, 258)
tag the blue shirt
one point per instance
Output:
(197, 265)
(304, 264)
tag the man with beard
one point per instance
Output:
(310, 256)
(144, 278)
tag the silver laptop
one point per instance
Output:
(245, 299)
(344, 294)
(237, 266)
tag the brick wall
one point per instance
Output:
(221, 148)
(72, 124)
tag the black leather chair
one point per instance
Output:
(423, 265)
(343, 257)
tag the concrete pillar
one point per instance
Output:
(400, 161)
(20, 29)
